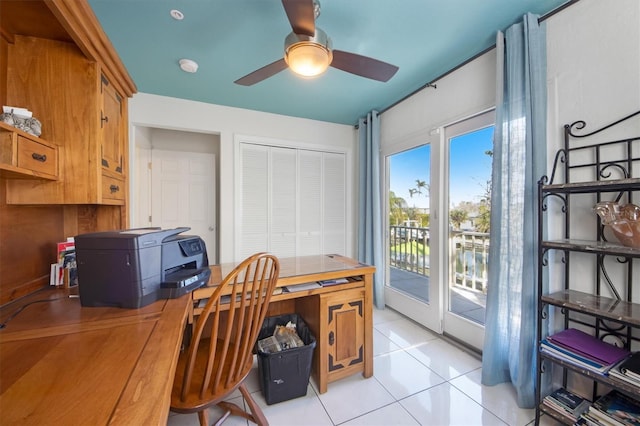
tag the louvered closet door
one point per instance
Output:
(283, 202)
(310, 212)
(292, 201)
(254, 200)
(334, 211)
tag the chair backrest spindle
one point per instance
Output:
(234, 324)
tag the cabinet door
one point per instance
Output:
(343, 314)
(111, 128)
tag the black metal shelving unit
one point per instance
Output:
(606, 170)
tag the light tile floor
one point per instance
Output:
(419, 379)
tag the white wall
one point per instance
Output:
(154, 111)
(593, 65)
(465, 92)
(593, 74)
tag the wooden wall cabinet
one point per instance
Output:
(82, 111)
(111, 129)
(56, 60)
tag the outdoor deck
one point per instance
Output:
(465, 303)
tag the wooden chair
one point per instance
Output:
(213, 367)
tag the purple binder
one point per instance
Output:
(589, 346)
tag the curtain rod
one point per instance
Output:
(474, 57)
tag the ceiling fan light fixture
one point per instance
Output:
(308, 56)
(308, 59)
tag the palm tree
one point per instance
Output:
(397, 207)
(422, 185)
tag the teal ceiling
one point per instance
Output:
(231, 38)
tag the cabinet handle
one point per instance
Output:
(103, 119)
(39, 157)
(332, 338)
(114, 188)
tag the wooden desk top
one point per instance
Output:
(61, 363)
(297, 270)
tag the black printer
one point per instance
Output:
(134, 267)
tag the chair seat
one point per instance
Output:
(194, 402)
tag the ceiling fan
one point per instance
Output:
(308, 50)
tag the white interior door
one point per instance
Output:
(183, 193)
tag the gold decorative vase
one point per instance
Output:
(623, 220)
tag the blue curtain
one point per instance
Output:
(519, 156)
(369, 207)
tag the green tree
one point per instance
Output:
(483, 222)
(424, 219)
(397, 207)
(457, 216)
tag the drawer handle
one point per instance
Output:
(39, 157)
(332, 338)
(114, 188)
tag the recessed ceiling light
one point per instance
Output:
(177, 15)
(187, 65)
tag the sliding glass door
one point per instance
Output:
(439, 200)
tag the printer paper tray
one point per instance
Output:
(184, 281)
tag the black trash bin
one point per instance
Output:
(284, 375)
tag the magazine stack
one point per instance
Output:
(612, 409)
(566, 403)
(583, 350)
(628, 370)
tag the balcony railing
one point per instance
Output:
(469, 254)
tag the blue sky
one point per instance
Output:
(469, 165)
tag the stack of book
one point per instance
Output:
(583, 350)
(628, 370)
(566, 403)
(612, 409)
(64, 271)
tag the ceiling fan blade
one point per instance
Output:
(263, 73)
(301, 16)
(363, 65)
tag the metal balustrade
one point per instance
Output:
(469, 255)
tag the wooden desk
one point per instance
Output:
(64, 364)
(339, 316)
